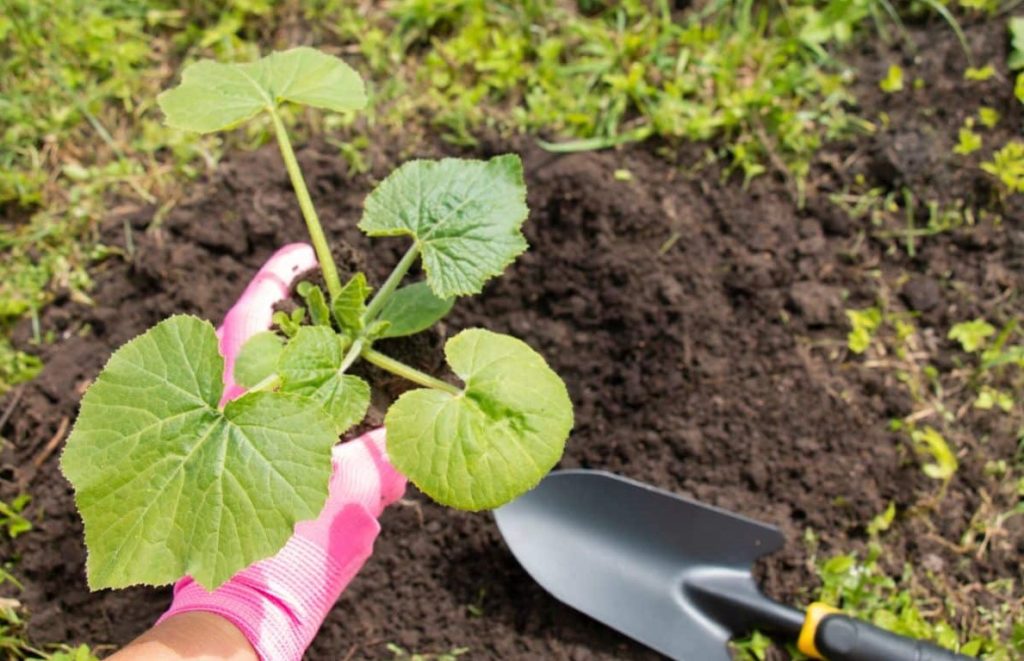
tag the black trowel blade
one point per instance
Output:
(625, 553)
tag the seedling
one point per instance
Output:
(170, 480)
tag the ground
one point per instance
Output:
(703, 326)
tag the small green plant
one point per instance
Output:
(979, 74)
(863, 588)
(989, 117)
(1007, 165)
(893, 81)
(971, 334)
(1016, 59)
(864, 324)
(932, 444)
(990, 398)
(399, 652)
(969, 139)
(752, 648)
(170, 480)
(12, 521)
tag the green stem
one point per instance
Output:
(412, 374)
(316, 232)
(268, 383)
(353, 354)
(391, 283)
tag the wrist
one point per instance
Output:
(197, 636)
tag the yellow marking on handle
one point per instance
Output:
(816, 612)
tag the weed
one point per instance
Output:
(901, 215)
(14, 643)
(969, 140)
(989, 117)
(1007, 165)
(752, 648)
(399, 652)
(1015, 60)
(905, 604)
(11, 519)
(864, 324)
(931, 443)
(979, 74)
(971, 334)
(893, 81)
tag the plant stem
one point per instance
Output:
(268, 383)
(353, 354)
(316, 232)
(403, 266)
(401, 369)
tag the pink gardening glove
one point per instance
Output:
(279, 603)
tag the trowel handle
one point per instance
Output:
(829, 634)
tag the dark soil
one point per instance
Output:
(698, 325)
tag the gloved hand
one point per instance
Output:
(279, 603)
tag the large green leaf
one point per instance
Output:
(413, 309)
(495, 440)
(464, 215)
(214, 96)
(169, 485)
(257, 359)
(309, 367)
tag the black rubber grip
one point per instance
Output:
(843, 638)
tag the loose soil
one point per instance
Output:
(699, 327)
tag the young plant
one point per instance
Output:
(171, 480)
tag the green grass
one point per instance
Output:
(984, 378)
(759, 86)
(906, 604)
(14, 642)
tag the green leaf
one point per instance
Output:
(464, 215)
(893, 81)
(931, 442)
(988, 117)
(864, 324)
(289, 323)
(882, 522)
(350, 304)
(169, 485)
(979, 74)
(969, 141)
(214, 96)
(257, 359)
(492, 442)
(1016, 59)
(413, 309)
(319, 313)
(309, 367)
(971, 334)
(1008, 356)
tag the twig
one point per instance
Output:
(44, 454)
(920, 415)
(11, 406)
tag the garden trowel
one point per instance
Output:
(673, 573)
